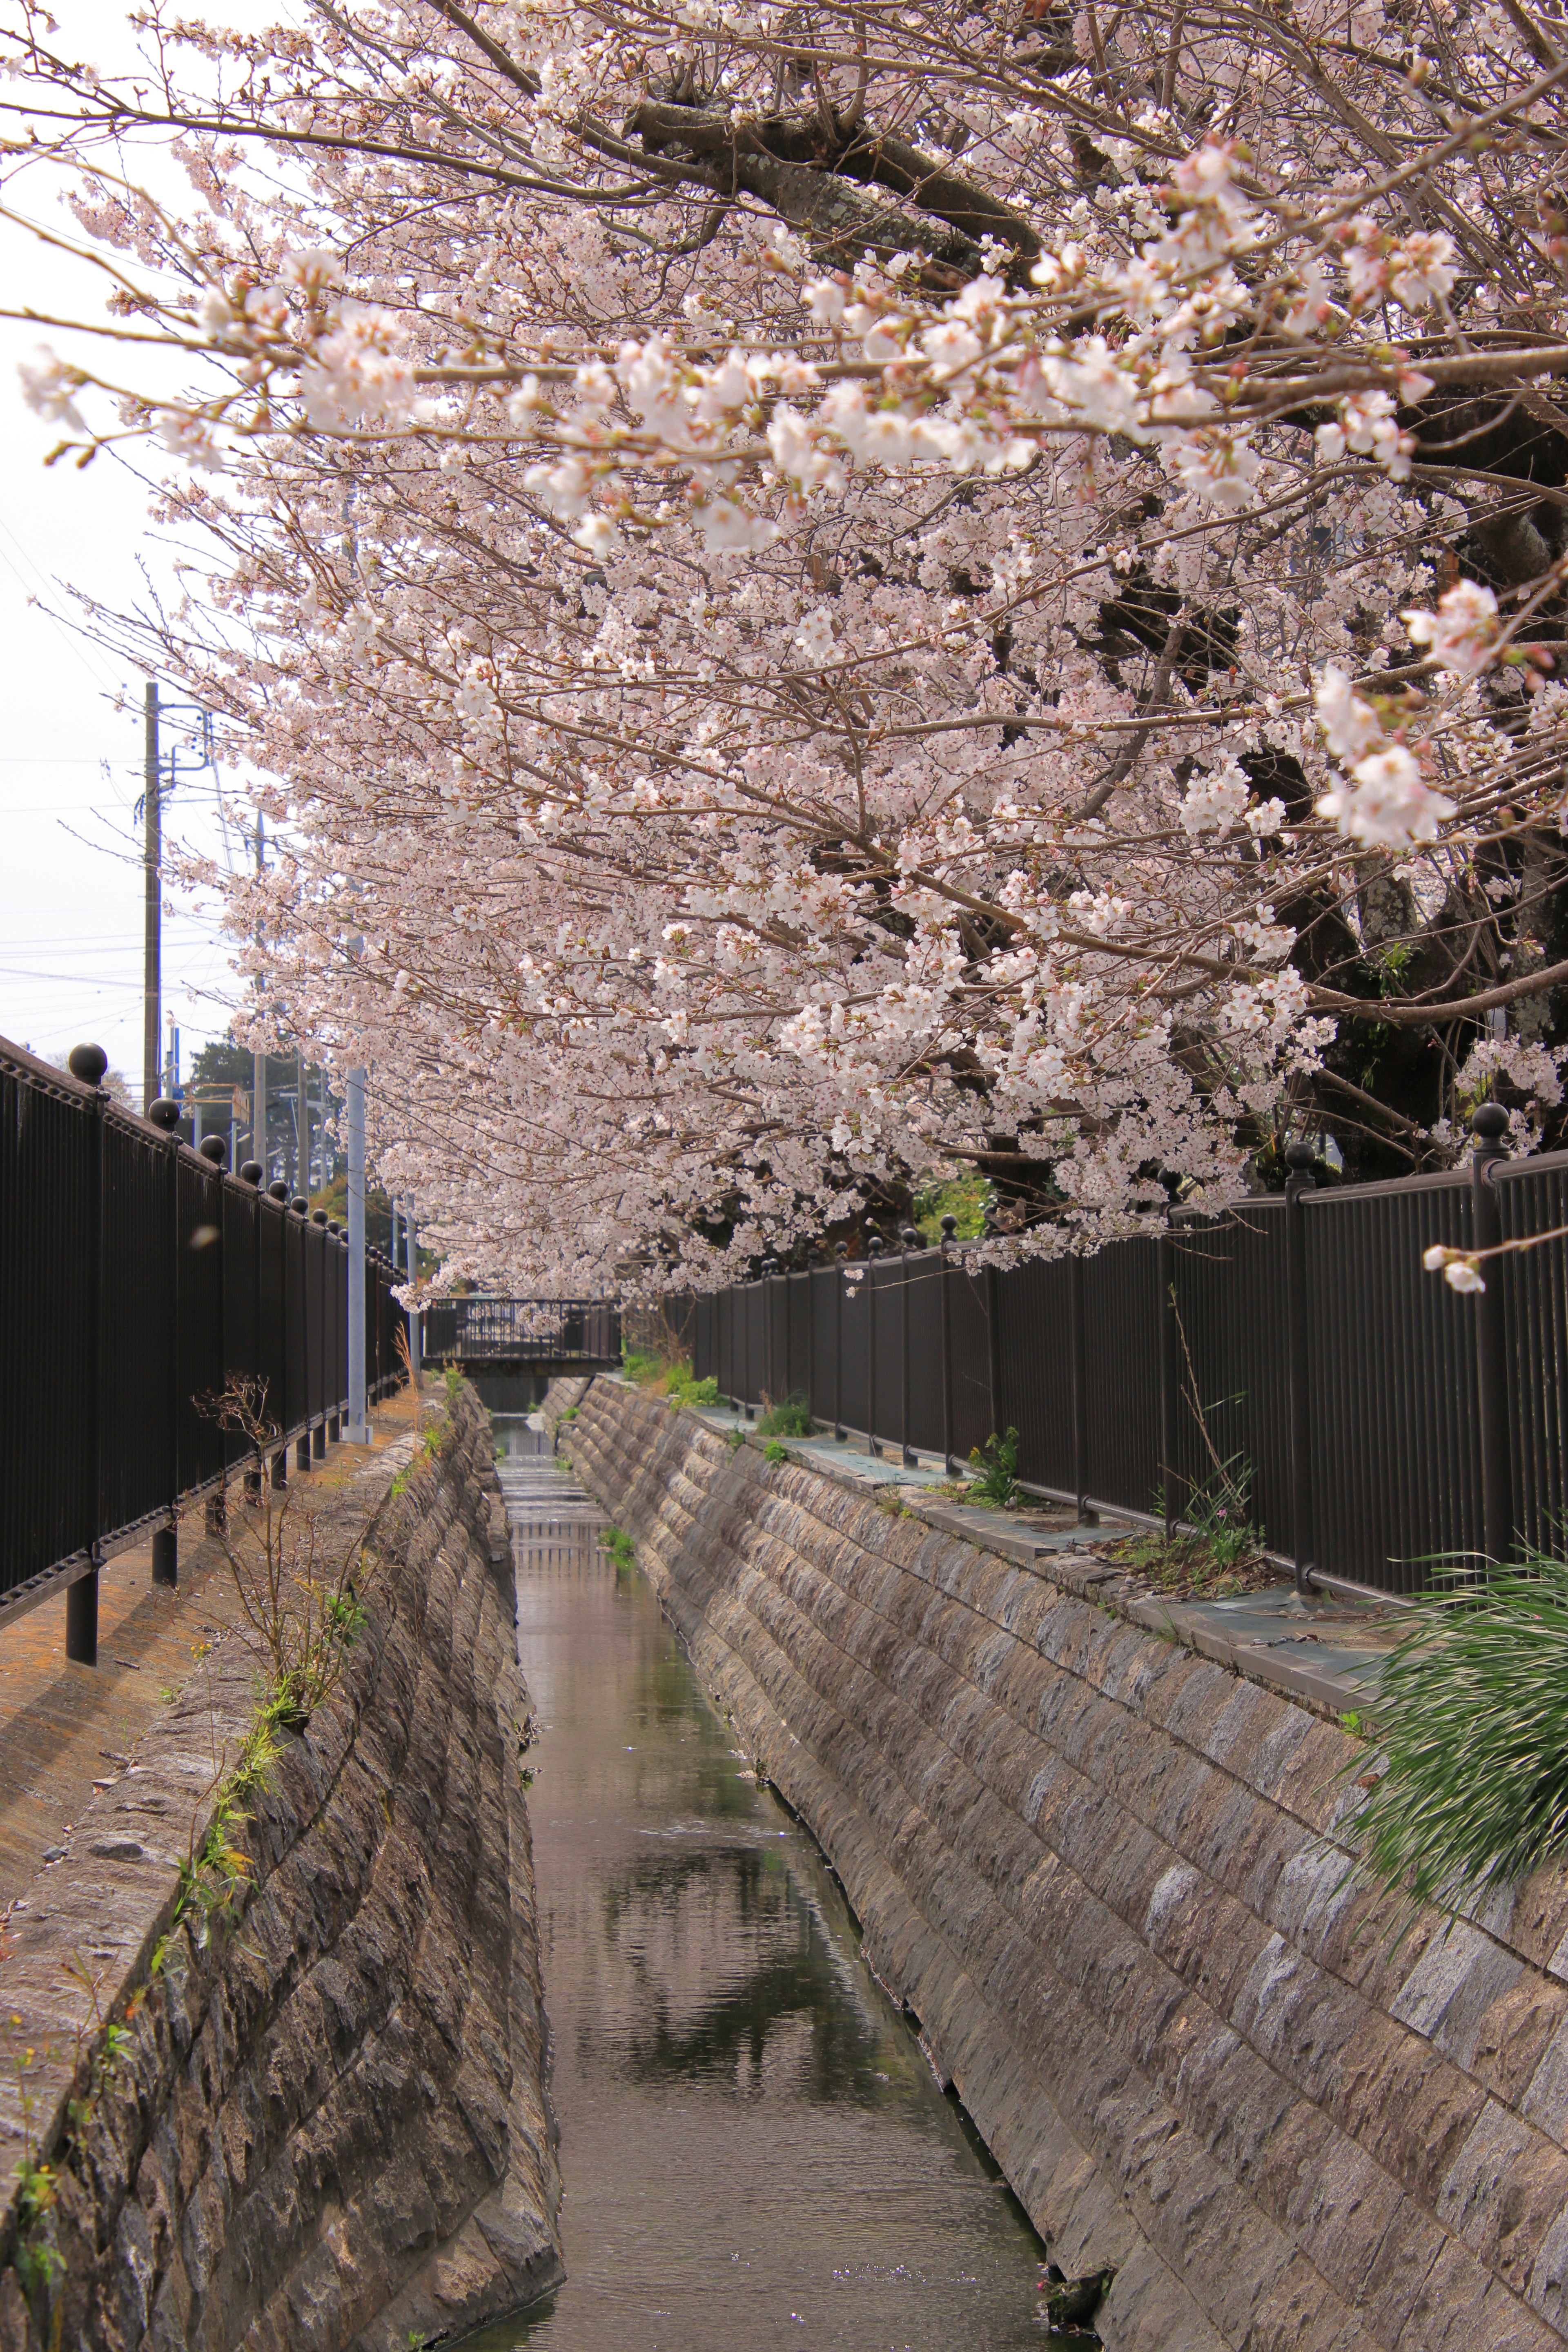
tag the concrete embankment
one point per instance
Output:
(1101, 1870)
(318, 2120)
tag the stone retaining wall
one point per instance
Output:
(1100, 1870)
(323, 2126)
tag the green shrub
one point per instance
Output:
(789, 1418)
(773, 1452)
(995, 1480)
(684, 1390)
(1471, 1718)
(620, 1547)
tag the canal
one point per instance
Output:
(755, 2153)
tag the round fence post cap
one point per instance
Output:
(873, 1244)
(949, 1226)
(910, 1236)
(318, 1217)
(300, 1207)
(88, 1062)
(1300, 1154)
(253, 1171)
(841, 1251)
(278, 1189)
(165, 1113)
(1488, 1120)
(214, 1148)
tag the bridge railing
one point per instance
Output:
(138, 1279)
(479, 1330)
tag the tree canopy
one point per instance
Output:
(834, 594)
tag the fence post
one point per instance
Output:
(840, 1252)
(993, 1343)
(214, 1151)
(1077, 1342)
(319, 1434)
(1489, 1125)
(873, 1252)
(1170, 1378)
(1299, 1158)
(357, 1433)
(278, 1191)
(165, 1113)
(299, 1207)
(88, 1063)
(252, 1173)
(949, 1227)
(907, 1234)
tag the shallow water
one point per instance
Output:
(755, 2152)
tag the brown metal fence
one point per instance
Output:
(137, 1277)
(1382, 1420)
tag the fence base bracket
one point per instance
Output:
(82, 1620)
(165, 1557)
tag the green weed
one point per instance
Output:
(791, 1417)
(1471, 1719)
(995, 1480)
(620, 1547)
(1218, 1549)
(735, 1439)
(773, 1452)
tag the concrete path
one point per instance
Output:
(68, 1732)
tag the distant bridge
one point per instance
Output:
(538, 1336)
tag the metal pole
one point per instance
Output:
(416, 1320)
(949, 1227)
(165, 1539)
(1079, 1345)
(357, 1432)
(1170, 1378)
(1489, 1125)
(840, 1252)
(907, 1234)
(258, 1060)
(993, 1349)
(153, 891)
(1299, 1160)
(873, 1252)
(88, 1063)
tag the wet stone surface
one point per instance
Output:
(754, 2148)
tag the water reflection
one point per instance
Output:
(755, 2153)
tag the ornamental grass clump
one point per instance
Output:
(1471, 1721)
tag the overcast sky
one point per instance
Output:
(70, 765)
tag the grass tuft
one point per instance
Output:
(791, 1417)
(1472, 1722)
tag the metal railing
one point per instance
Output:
(138, 1278)
(1383, 1420)
(521, 1331)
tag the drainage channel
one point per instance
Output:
(755, 2153)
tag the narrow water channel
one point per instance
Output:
(754, 2150)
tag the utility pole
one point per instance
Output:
(152, 861)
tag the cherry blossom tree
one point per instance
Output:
(828, 593)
